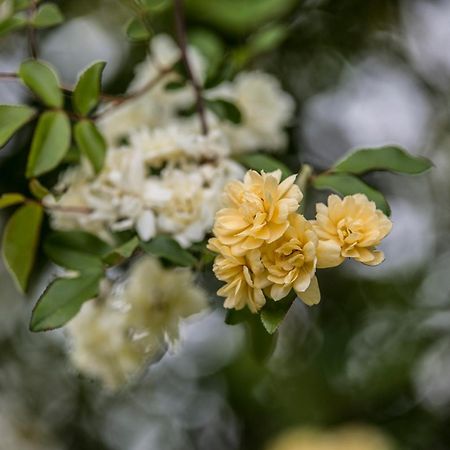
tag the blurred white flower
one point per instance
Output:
(266, 110)
(130, 324)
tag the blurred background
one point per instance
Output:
(376, 351)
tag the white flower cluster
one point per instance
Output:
(132, 322)
(161, 174)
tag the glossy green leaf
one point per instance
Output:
(91, 143)
(47, 15)
(62, 300)
(261, 161)
(43, 81)
(136, 30)
(50, 143)
(390, 158)
(11, 199)
(76, 250)
(345, 184)
(12, 23)
(121, 252)
(274, 312)
(20, 242)
(37, 189)
(167, 248)
(86, 94)
(225, 110)
(12, 118)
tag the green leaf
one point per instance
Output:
(154, 5)
(238, 16)
(225, 110)
(175, 85)
(48, 15)
(43, 81)
(37, 189)
(266, 39)
(20, 241)
(210, 45)
(76, 250)
(62, 300)
(261, 161)
(390, 158)
(235, 317)
(11, 199)
(50, 143)
(12, 118)
(167, 248)
(91, 143)
(274, 312)
(262, 344)
(86, 94)
(345, 184)
(22, 4)
(12, 23)
(136, 30)
(121, 252)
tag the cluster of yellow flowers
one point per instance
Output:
(266, 247)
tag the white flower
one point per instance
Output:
(145, 225)
(160, 298)
(266, 109)
(180, 142)
(112, 337)
(189, 213)
(158, 106)
(116, 123)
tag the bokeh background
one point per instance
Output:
(377, 348)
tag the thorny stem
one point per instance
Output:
(182, 43)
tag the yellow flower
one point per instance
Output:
(347, 437)
(349, 228)
(291, 262)
(244, 275)
(257, 210)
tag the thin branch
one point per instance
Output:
(182, 43)
(8, 75)
(32, 37)
(69, 209)
(116, 100)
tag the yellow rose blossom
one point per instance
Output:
(244, 276)
(291, 262)
(256, 211)
(346, 437)
(349, 228)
